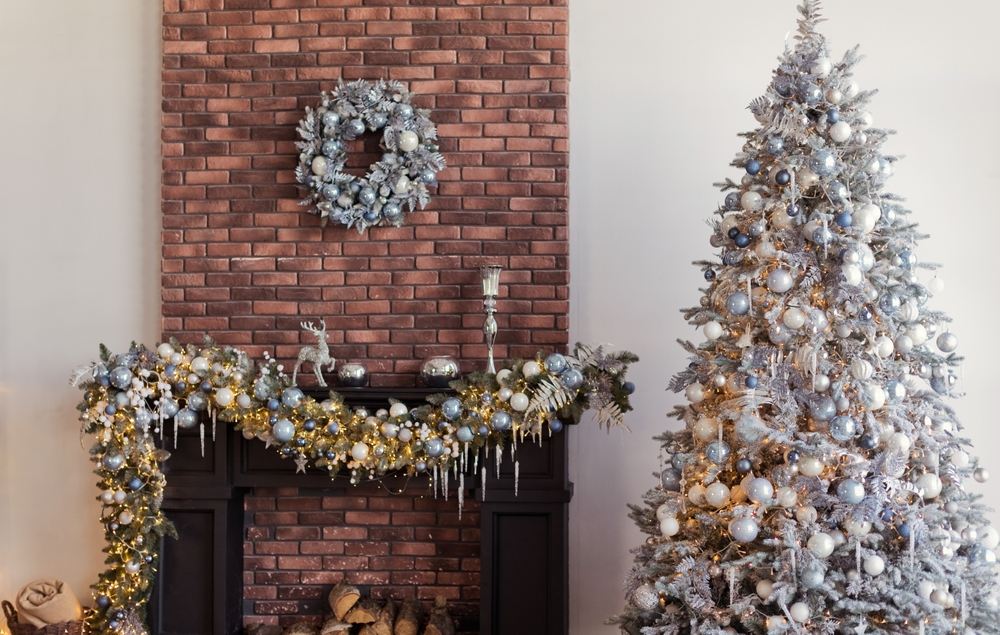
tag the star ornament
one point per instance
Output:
(300, 464)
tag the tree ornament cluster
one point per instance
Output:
(132, 399)
(819, 482)
(396, 183)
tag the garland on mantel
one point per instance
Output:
(135, 400)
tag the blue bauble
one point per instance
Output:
(113, 462)
(309, 425)
(197, 401)
(887, 515)
(850, 491)
(392, 212)
(135, 483)
(113, 625)
(367, 196)
(782, 177)
(572, 379)
(180, 386)
(752, 166)
(793, 210)
(775, 145)
(428, 177)
(186, 418)
(907, 259)
(743, 466)
(555, 425)
(844, 219)
(434, 447)
(103, 380)
(822, 409)
(483, 431)
(451, 408)
(670, 479)
(628, 387)
(292, 397)
(838, 192)
(283, 431)
(732, 258)
(404, 110)
(555, 363)
(709, 275)
(904, 529)
(823, 162)
(168, 408)
(733, 232)
(356, 127)
(843, 428)
(379, 120)
(832, 115)
(355, 187)
(120, 377)
(742, 240)
(421, 466)
(738, 303)
(792, 457)
(500, 420)
(331, 192)
(330, 118)
(810, 92)
(331, 147)
(205, 386)
(758, 227)
(103, 602)
(717, 452)
(273, 404)
(300, 442)
(732, 200)
(170, 370)
(110, 409)
(680, 460)
(889, 303)
(865, 314)
(464, 434)
(751, 381)
(868, 441)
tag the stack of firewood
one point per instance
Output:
(356, 615)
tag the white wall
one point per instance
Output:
(658, 95)
(79, 256)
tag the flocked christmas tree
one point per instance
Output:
(819, 482)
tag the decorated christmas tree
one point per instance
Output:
(819, 482)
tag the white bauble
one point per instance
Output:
(108, 496)
(359, 451)
(503, 375)
(519, 401)
(717, 495)
(866, 120)
(925, 588)
(125, 518)
(918, 334)
(821, 67)
(874, 565)
(873, 396)
(712, 330)
(866, 216)
(705, 429)
(243, 400)
(224, 397)
(786, 497)
(821, 544)
(940, 597)
(505, 393)
(696, 494)
(852, 274)
(744, 530)
(729, 222)
(930, 485)
(806, 514)
(834, 96)
(909, 311)
(780, 220)
(799, 612)
(695, 393)
(165, 350)
(857, 527)
(199, 365)
(408, 141)
(531, 369)
(861, 369)
(793, 318)
(775, 623)
(935, 285)
(751, 201)
(840, 131)
(780, 280)
(990, 538)
(899, 442)
(666, 510)
(806, 178)
(810, 466)
(959, 458)
(120, 497)
(852, 90)
(719, 380)
(319, 165)
(398, 409)
(765, 250)
(903, 344)
(764, 589)
(883, 347)
(402, 185)
(669, 526)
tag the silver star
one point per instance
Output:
(300, 464)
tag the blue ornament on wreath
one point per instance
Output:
(572, 379)
(555, 363)
(451, 408)
(408, 166)
(500, 420)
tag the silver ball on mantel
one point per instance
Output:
(352, 375)
(439, 371)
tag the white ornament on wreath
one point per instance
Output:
(393, 185)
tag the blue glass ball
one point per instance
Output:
(500, 420)
(868, 441)
(206, 386)
(889, 303)
(112, 462)
(367, 196)
(120, 377)
(392, 212)
(330, 118)
(844, 219)
(733, 232)
(733, 200)
(732, 258)
(197, 401)
(331, 192)
(743, 466)
(170, 370)
(823, 162)
(865, 314)
(434, 447)
(752, 166)
(330, 454)
(628, 387)
(838, 192)
(670, 478)
(103, 380)
(135, 483)
(843, 428)
(793, 210)
(309, 425)
(832, 115)
(738, 303)
(300, 442)
(283, 431)
(482, 430)
(572, 379)
(451, 408)
(850, 491)
(405, 110)
(751, 381)
(822, 409)
(792, 457)
(709, 275)
(271, 418)
(717, 452)
(887, 515)
(356, 127)
(168, 407)
(113, 625)
(331, 147)
(464, 434)
(428, 177)
(742, 240)
(907, 259)
(110, 409)
(379, 120)
(555, 363)
(273, 404)
(103, 601)
(180, 386)
(292, 397)
(555, 425)
(421, 466)
(186, 418)
(782, 177)
(370, 215)
(775, 145)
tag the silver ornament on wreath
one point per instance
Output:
(395, 184)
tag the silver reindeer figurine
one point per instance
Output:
(318, 355)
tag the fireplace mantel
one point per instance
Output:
(523, 538)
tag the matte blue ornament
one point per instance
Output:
(850, 491)
(742, 240)
(843, 428)
(868, 441)
(738, 303)
(273, 404)
(555, 425)
(434, 447)
(356, 127)
(823, 162)
(717, 452)
(752, 166)
(743, 466)
(170, 370)
(180, 386)
(330, 118)
(751, 381)
(135, 483)
(793, 210)
(168, 408)
(822, 409)
(103, 602)
(733, 232)
(451, 408)
(292, 397)
(670, 479)
(572, 379)
(283, 431)
(500, 420)
(709, 275)
(844, 219)
(421, 466)
(887, 515)
(110, 409)
(205, 386)
(331, 147)
(186, 418)
(113, 624)
(330, 455)
(904, 529)
(483, 431)
(103, 380)
(367, 196)
(120, 377)
(555, 363)
(113, 462)
(733, 200)
(782, 177)
(197, 401)
(628, 387)
(775, 145)
(464, 434)
(309, 425)
(832, 115)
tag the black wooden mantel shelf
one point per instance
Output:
(523, 539)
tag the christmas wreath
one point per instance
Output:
(394, 184)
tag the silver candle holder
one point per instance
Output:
(491, 289)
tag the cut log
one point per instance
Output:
(408, 619)
(383, 624)
(302, 628)
(333, 626)
(440, 622)
(364, 612)
(342, 598)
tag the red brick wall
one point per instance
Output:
(243, 263)
(298, 545)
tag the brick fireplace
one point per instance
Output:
(242, 263)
